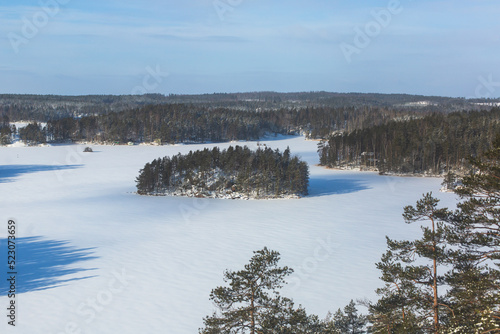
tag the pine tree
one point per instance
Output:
(476, 223)
(475, 279)
(251, 298)
(145, 180)
(474, 299)
(283, 318)
(395, 311)
(348, 321)
(413, 266)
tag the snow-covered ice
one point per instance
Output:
(98, 258)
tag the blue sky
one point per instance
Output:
(76, 47)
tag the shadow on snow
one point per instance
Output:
(8, 172)
(42, 264)
(324, 187)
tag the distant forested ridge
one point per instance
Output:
(176, 123)
(433, 144)
(392, 133)
(188, 123)
(236, 172)
(43, 108)
(218, 117)
(172, 123)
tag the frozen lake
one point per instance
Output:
(95, 257)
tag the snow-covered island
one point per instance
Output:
(233, 173)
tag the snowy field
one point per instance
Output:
(96, 258)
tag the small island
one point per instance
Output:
(233, 173)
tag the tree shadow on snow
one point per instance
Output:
(42, 264)
(9, 172)
(324, 187)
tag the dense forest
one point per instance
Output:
(33, 134)
(236, 172)
(432, 144)
(43, 108)
(6, 131)
(175, 123)
(390, 133)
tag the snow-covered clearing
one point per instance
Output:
(149, 263)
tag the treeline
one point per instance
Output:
(436, 143)
(6, 131)
(321, 122)
(175, 123)
(43, 108)
(33, 134)
(262, 173)
(447, 281)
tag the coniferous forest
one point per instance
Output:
(43, 108)
(5, 131)
(236, 172)
(434, 144)
(181, 123)
(389, 133)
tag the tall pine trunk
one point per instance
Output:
(435, 305)
(252, 312)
